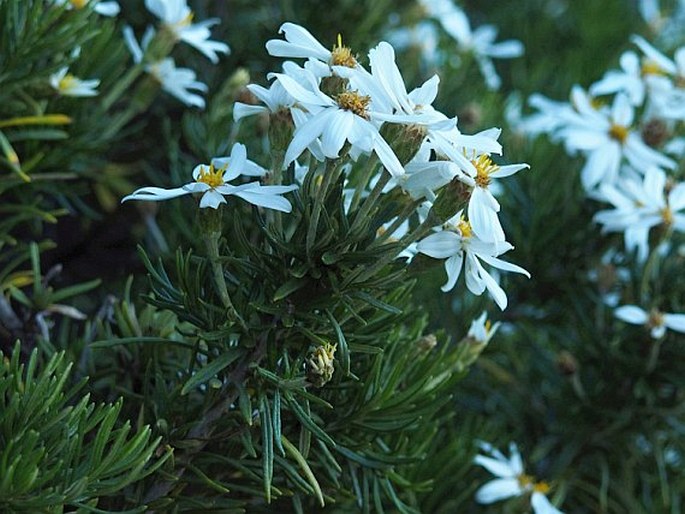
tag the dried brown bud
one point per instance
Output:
(567, 363)
(655, 132)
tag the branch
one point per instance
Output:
(203, 430)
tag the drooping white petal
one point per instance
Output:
(453, 267)
(541, 505)
(498, 489)
(155, 194)
(211, 199)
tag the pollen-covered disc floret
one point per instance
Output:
(342, 55)
(484, 168)
(213, 177)
(354, 102)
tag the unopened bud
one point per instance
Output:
(427, 343)
(405, 140)
(655, 133)
(451, 199)
(281, 129)
(333, 85)
(319, 365)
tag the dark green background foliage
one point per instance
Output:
(595, 405)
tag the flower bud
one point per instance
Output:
(319, 365)
(405, 140)
(451, 199)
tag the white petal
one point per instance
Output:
(499, 468)
(453, 268)
(632, 314)
(155, 194)
(388, 157)
(211, 199)
(307, 133)
(541, 505)
(675, 322)
(336, 132)
(440, 245)
(498, 489)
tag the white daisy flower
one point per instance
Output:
(103, 8)
(67, 84)
(482, 329)
(178, 82)
(300, 44)
(606, 138)
(639, 206)
(213, 182)
(422, 36)
(629, 80)
(656, 321)
(345, 118)
(457, 243)
(483, 206)
(481, 43)
(177, 17)
(511, 480)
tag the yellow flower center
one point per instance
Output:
(465, 228)
(618, 132)
(187, 20)
(541, 487)
(79, 4)
(484, 167)
(211, 176)
(353, 101)
(528, 482)
(67, 82)
(656, 319)
(667, 216)
(650, 67)
(342, 55)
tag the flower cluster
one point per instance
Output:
(152, 55)
(626, 127)
(338, 108)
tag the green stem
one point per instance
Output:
(420, 231)
(361, 185)
(370, 201)
(121, 86)
(212, 242)
(401, 218)
(331, 174)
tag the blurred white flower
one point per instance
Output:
(639, 206)
(482, 330)
(177, 17)
(212, 181)
(656, 321)
(178, 82)
(67, 84)
(511, 480)
(606, 137)
(103, 8)
(628, 80)
(481, 43)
